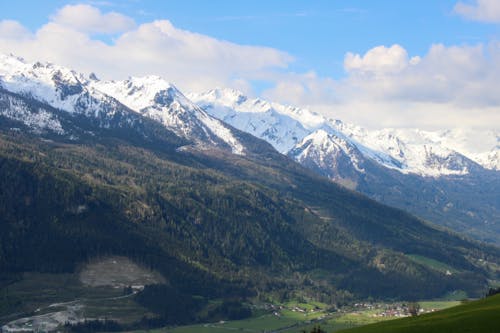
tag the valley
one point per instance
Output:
(125, 206)
(70, 299)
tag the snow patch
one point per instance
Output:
(37, 121)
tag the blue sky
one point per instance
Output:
(360, 60)
(316, 33)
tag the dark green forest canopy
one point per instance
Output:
(213, 223)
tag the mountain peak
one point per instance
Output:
(139, 92)
(228, 96)
(150, 96)
(56, 85)
(401, 149)
(158, 99)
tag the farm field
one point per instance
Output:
(293, 321)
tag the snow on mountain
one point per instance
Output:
(158, 99)
(326, 149)
(38, 121)
(457, 149)
(414, 150)
(490, 160)
(291, 130)
(275, 123)
(483, 146)
(56, 86)
(75, 93)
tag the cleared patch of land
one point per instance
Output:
(117, 272)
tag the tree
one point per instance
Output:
(413, 309)
(493, 291)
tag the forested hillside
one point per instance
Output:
(214, 224)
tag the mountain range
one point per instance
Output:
(134, 168)
(287, 128)
(450, 177)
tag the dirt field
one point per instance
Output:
(118, 272)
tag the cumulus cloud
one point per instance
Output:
(86, 18)
(449, 86)
(461, 74)
(479, 10)
(190, 60)
(380, 59)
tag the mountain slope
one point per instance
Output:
(388, 165)
(209, 214)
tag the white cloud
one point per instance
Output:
(379, 59)
(13, 30)
(190, 60)
(480, 10)
(86, 18)
(460, 74)
(447, 87)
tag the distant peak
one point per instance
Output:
(10, 56)
(150, 80)
(227, 96)
(93, 77)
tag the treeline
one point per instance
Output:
(493, 291)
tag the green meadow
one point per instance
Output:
(482, 316)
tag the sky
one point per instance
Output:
(431, 64)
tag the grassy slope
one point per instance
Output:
(434, 264)
(479, 316)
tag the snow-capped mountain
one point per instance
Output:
(448, 177)
(159, 100)
(279, 125)
(38, 121)
(57, 86)
(329, 154)
(290, 129)
(77, 94)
